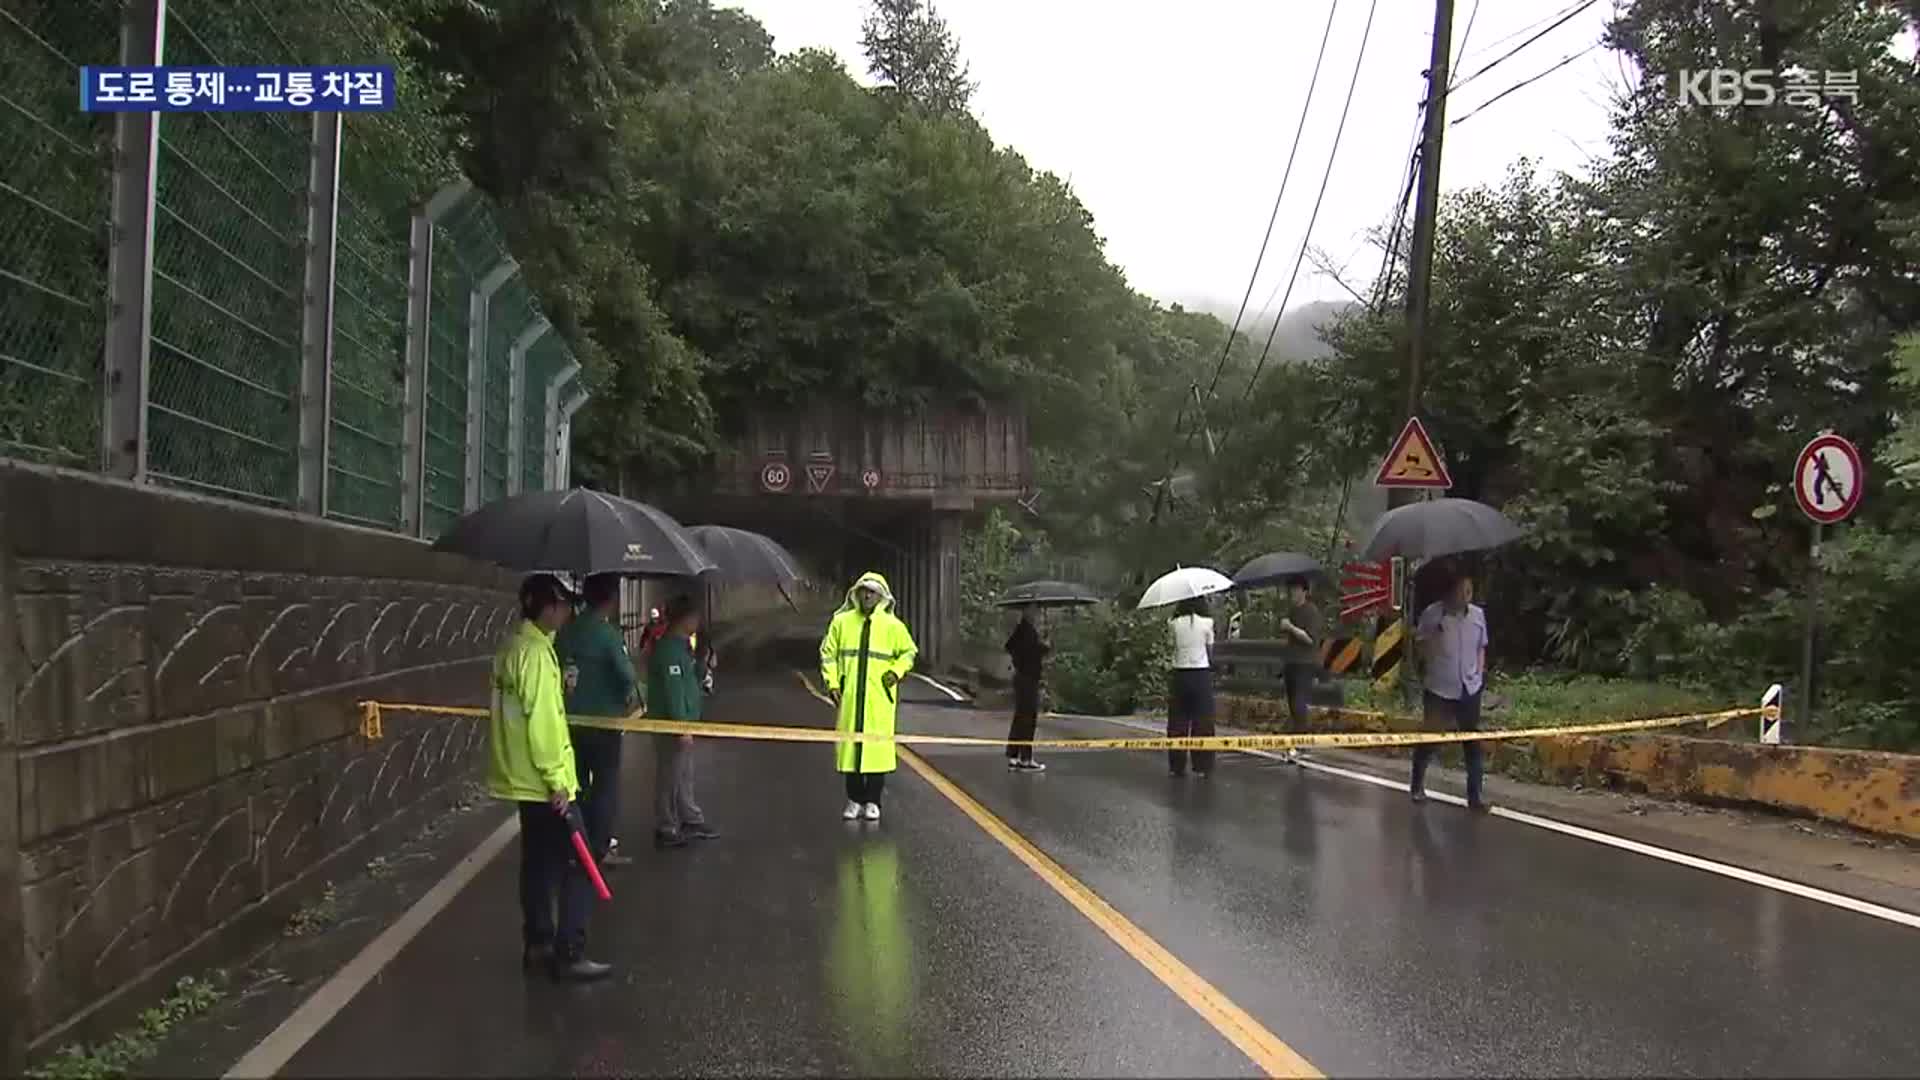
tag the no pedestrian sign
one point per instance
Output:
(1828, 479)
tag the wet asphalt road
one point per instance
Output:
(795, 945)
(1374, 937)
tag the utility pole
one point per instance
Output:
(1425, 208)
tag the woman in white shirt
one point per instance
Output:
(1190, 686)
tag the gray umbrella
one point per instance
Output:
(1275, 567)
(748, 557)
(579, 531)
(1047, 594)
(1428, 530)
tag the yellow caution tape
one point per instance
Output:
(371, 710)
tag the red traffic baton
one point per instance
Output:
(578, 831)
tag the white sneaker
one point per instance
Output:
(851, 812)
(873, 811)
(1031, 766)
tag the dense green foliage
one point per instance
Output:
(1625, 361)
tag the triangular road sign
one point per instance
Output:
(1413, 462)
(819, 475)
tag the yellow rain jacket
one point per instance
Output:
(858, 650)
(530, 753)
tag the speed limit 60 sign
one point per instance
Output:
(776, 477)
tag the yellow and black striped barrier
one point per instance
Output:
(1339, 655)
(1389, 650)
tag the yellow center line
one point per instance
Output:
(1263, 1047)
(1274, 1057)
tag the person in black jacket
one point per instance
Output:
(1028, 652)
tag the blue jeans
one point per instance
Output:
(1464, 715)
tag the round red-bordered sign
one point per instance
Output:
(870, 479)
(776, 477)
(1828, 479)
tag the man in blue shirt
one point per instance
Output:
(1452, 634)
(674, 693)
(600, 683)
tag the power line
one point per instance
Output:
(1527, 29)
(1467, 34)
(1522, 84)
(1325, 176)
(1267, 305)
(1396, 221)
(1557, 24)
(1226, 351)
(1286, 174)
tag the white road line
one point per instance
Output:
(947, 690)
(1738, 873)
(278, 1048)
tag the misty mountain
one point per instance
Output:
(1296, 338)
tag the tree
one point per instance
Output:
(910, 48)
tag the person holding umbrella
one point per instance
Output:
(1028, 652)
(1190, 685)
(600, 683)
(530, 763)
(1452, 633)
(867, 650)
(674, 692)
(1301, 627)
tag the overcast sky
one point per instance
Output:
(1174, 121)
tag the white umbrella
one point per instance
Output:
(1185, 583)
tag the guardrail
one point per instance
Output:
(1258, 666)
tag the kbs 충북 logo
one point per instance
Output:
(1760, 87)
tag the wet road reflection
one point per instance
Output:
(870, 961)
(1381, 938)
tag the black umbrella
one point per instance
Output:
(577, 531)
(1428, 530)
(1275, 567)
(1047, 594)
(748, 557)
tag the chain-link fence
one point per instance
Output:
(358, 385)
(55, 163)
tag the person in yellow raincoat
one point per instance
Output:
(863, 657)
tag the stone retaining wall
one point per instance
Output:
(178, 743)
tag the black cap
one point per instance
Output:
(540, 592)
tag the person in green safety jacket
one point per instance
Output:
(864, 655)
(530, 763)
(600, 684)
(673, 693)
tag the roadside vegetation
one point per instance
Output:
(1625, 361)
